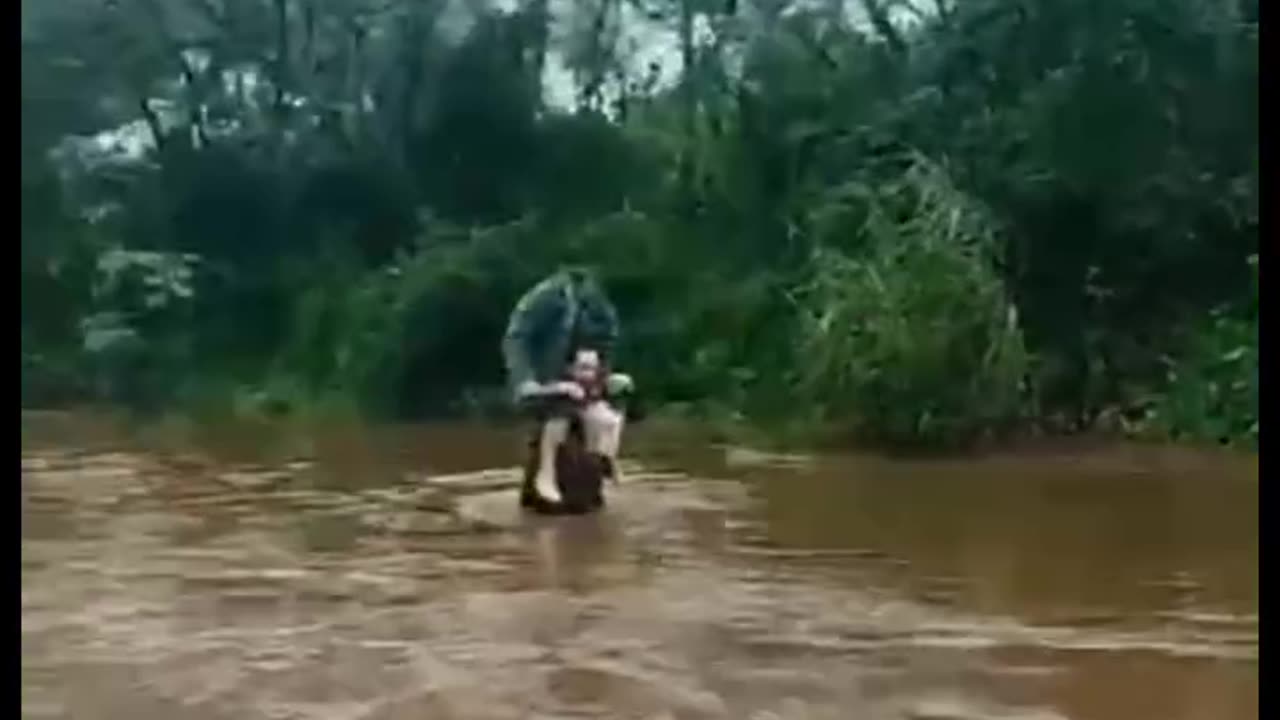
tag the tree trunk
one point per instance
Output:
(282, 56)
(688, 92)
(539, 19)
(879, 16)
(153, 124)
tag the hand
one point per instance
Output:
(529, 389)
(572, 390)
(619, 384)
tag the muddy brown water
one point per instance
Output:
(248, 572)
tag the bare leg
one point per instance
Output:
(603, 428)
(554, 432)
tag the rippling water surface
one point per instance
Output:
(246, 572)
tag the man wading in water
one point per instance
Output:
(556, 350)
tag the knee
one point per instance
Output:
(603, 417)
(555, 426)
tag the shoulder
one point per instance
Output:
(551, 286)
(540, 293)
(539, 301)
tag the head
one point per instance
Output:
(585, 365)
(579, 275)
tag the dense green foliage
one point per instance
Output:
(898, 223)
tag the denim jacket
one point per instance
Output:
(546, 321)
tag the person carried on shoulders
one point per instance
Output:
(556, 349)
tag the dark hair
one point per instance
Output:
(577, 346)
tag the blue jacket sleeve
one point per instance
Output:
(526, 327)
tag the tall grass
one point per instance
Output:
(909, 337)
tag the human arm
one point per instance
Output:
(531, 326)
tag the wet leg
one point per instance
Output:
(554, 432)
(603, 428)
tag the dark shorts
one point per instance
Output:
(545, 408)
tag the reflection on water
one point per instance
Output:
(342, 573)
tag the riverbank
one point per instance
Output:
(847, 362)
(660, 429)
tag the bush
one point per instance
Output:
(411, 339)
(912, 339)
(1211, 390)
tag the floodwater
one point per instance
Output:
(248, 572)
